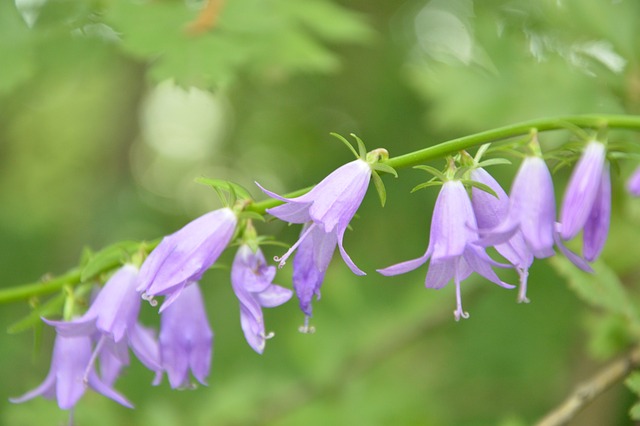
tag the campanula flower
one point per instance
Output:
(633, 184)
(310, 265)
(587, 201)
(251, 279)
(113, 317)
(532, 210)
(451, 247)
(490, 211)
(185, 255)
(66, 379)
(329, 206)
(185, 339)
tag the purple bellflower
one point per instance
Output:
(251, 279)
(185, 255)
(532, 210)
(185, 339)
(327, 208)
(65, 381)
(113, 318)
(309, 267)
(587, 201)
(633, 184)
(451, 246)
(490, 211)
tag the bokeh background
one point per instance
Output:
(98, 144)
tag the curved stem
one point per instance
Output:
(594, 121)
(595, 386)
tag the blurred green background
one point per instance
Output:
(98, 145)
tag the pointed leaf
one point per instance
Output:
(493, 162)
(432, 170)
(361, 148)
(382, 193)
(229, 187)
(346, 142)
(381, 167)
(52, 306)
(427, 185)
(633, 382)
(107, 259)
(601, 289)
(479, 185)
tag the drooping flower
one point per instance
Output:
(329, 206)
(587, 201)
(310, 265)
(113, 318)
(451, 247)
(185, 255)
(252, 279)
(633, 184)
(66, 378)
(185, 339)
(532, 210)
(491, 211)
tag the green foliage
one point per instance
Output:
(633, 383)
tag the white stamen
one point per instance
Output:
(522, 291)
(282, 260)
(149, 298)
(92, 360)
(306, 328)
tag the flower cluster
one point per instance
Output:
(472, 213)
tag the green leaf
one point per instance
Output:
(602, 289)
(381, 167)
(634, 412)
(435, 172)
(362, 150)
(346, 142)
(493, 162)
(427, 185)
(108, 258)
(53, 305)
(225, 185)
(480, 186)
(382, 193)
(633, 382)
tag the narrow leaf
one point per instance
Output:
(108, 258)
(53, 305)
(229, 187)
(346, 142)
(427, 185)
(432, 170)
(381, 167)
(493, 162)
(480, 186)
(361, 148)
(382, 193)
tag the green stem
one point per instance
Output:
(594, 121)
(441, 150)
(21, 292)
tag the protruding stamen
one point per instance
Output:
(522, 291)
(92, 360)
(306, 328)
(149, 298)
(282, 260)
(269, 335)
(459, 312)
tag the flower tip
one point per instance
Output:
(459, 313)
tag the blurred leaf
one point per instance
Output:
(108, 258)
(602, 289)
(608, 335)
(382, 193)
(53, 305)
(17, 60)
(633, 382)
(634, 412)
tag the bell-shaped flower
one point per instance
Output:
(490, 211)
(252, 279)
(185, 339)
(329, 206)
(451, 246)
(532, 210)
(633, 184)
(66, 379)
(113, 318)
(309, 267)
(185, 255)
(587, 201)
